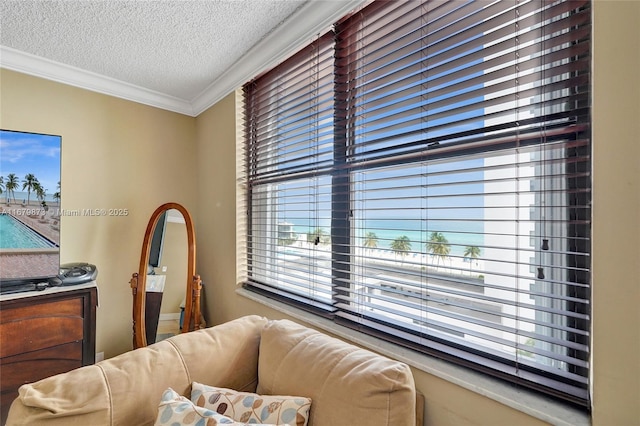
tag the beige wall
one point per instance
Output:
(141, 157)
(616, 213)
(215, 229)
(616, 235)
(115, 154)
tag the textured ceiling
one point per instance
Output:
(176, 48)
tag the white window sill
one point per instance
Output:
(535, 405)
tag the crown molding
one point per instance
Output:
(274, 48)
(37, 66)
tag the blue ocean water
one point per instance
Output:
(21, 196)
(459, 234)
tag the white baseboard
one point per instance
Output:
(171, 316)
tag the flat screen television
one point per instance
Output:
(30, 170)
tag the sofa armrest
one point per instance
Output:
(126, 389)
(347, 385)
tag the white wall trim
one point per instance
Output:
(274, 48)
(26, 63)
(169, 316)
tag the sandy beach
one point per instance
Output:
(455, 265)
(450, 265)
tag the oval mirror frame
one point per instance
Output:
(191, 318)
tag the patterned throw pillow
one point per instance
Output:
(250, 407)
(175, 409)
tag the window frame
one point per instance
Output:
(340, 172)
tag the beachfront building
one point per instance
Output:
(536, 240)
(286, 234)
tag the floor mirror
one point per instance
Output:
(166, 279)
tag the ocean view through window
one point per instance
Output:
(421, 172)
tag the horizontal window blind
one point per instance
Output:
(289, 120)
(422, 173)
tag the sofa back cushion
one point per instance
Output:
(348, 385)
(126, 389)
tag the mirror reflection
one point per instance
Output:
(165, 295)
(166, 289)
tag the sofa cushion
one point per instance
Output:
(226, 354)
(348, 385)
(250, 407)
(125, 390)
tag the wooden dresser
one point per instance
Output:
(44, 333)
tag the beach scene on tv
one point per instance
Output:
(29, 205)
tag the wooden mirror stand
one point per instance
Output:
(191, 318)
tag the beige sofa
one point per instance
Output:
(347, 385)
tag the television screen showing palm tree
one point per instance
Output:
(29, 205)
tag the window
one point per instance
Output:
(422, 173)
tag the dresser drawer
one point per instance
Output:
(41, 326)
(63, 307)
(43, 335)
(33, 366)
